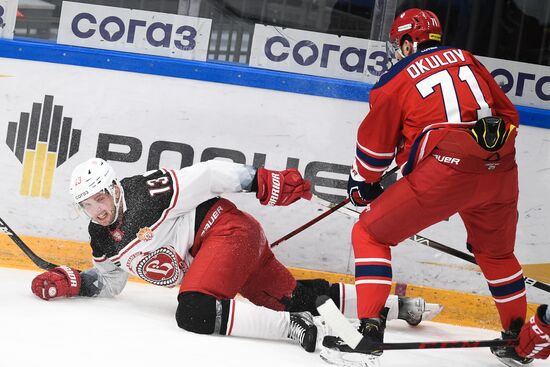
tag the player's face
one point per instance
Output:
(100, 207)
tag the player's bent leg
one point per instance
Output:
(229, 255)
(204, 314)
(505, 279)
(491, 236)
(412, 310)
(270, 284)
(306, 292)
(372, 284)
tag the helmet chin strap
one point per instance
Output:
(117, 203)
(400, 53)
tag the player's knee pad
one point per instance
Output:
(306, 292)
(199, 313)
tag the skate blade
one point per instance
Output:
(512, 362)
(335, 357)
(431, 310)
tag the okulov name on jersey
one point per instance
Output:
(434, 61)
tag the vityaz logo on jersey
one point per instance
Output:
(42, 140)
(145, 234)
(160, 267)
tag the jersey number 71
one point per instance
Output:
(444, 79)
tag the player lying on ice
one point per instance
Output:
(171, 228)
(431, 112)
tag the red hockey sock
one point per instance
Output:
(505, 279)
(373, 273)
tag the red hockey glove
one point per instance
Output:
(281, 188)
(361, 193)
(59, 282)
(534, 337)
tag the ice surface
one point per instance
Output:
(138, 328)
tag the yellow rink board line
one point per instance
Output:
(540, 272)
(460, 308)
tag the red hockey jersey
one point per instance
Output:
(437, 85)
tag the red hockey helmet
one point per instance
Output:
(420, 25)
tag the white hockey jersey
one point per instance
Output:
(153, 238)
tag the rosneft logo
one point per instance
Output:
(42, 141)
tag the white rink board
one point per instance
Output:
(152, 110)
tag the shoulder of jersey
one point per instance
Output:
(402, 65)
(139, 180)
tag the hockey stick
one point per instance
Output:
(310, 223)
(451, 251)
(345, 330)
(325, 214)
(37, 260)
(448, 250)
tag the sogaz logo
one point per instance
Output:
(42, 140)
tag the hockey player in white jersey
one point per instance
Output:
(170, 228)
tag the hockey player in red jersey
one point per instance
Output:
(432, 113)
(171, 228)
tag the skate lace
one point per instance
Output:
(296, 332)
(367, 328)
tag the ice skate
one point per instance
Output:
(303, 330)
(508, 355)
(411, 309)
(351, 358)
(335, 351)
(414, 310)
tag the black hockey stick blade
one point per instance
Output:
(445, 344)
(37, 260)
(368, 347)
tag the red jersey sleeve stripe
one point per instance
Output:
(372, 160)
(375, 154)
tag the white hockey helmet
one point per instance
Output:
(91, 177)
